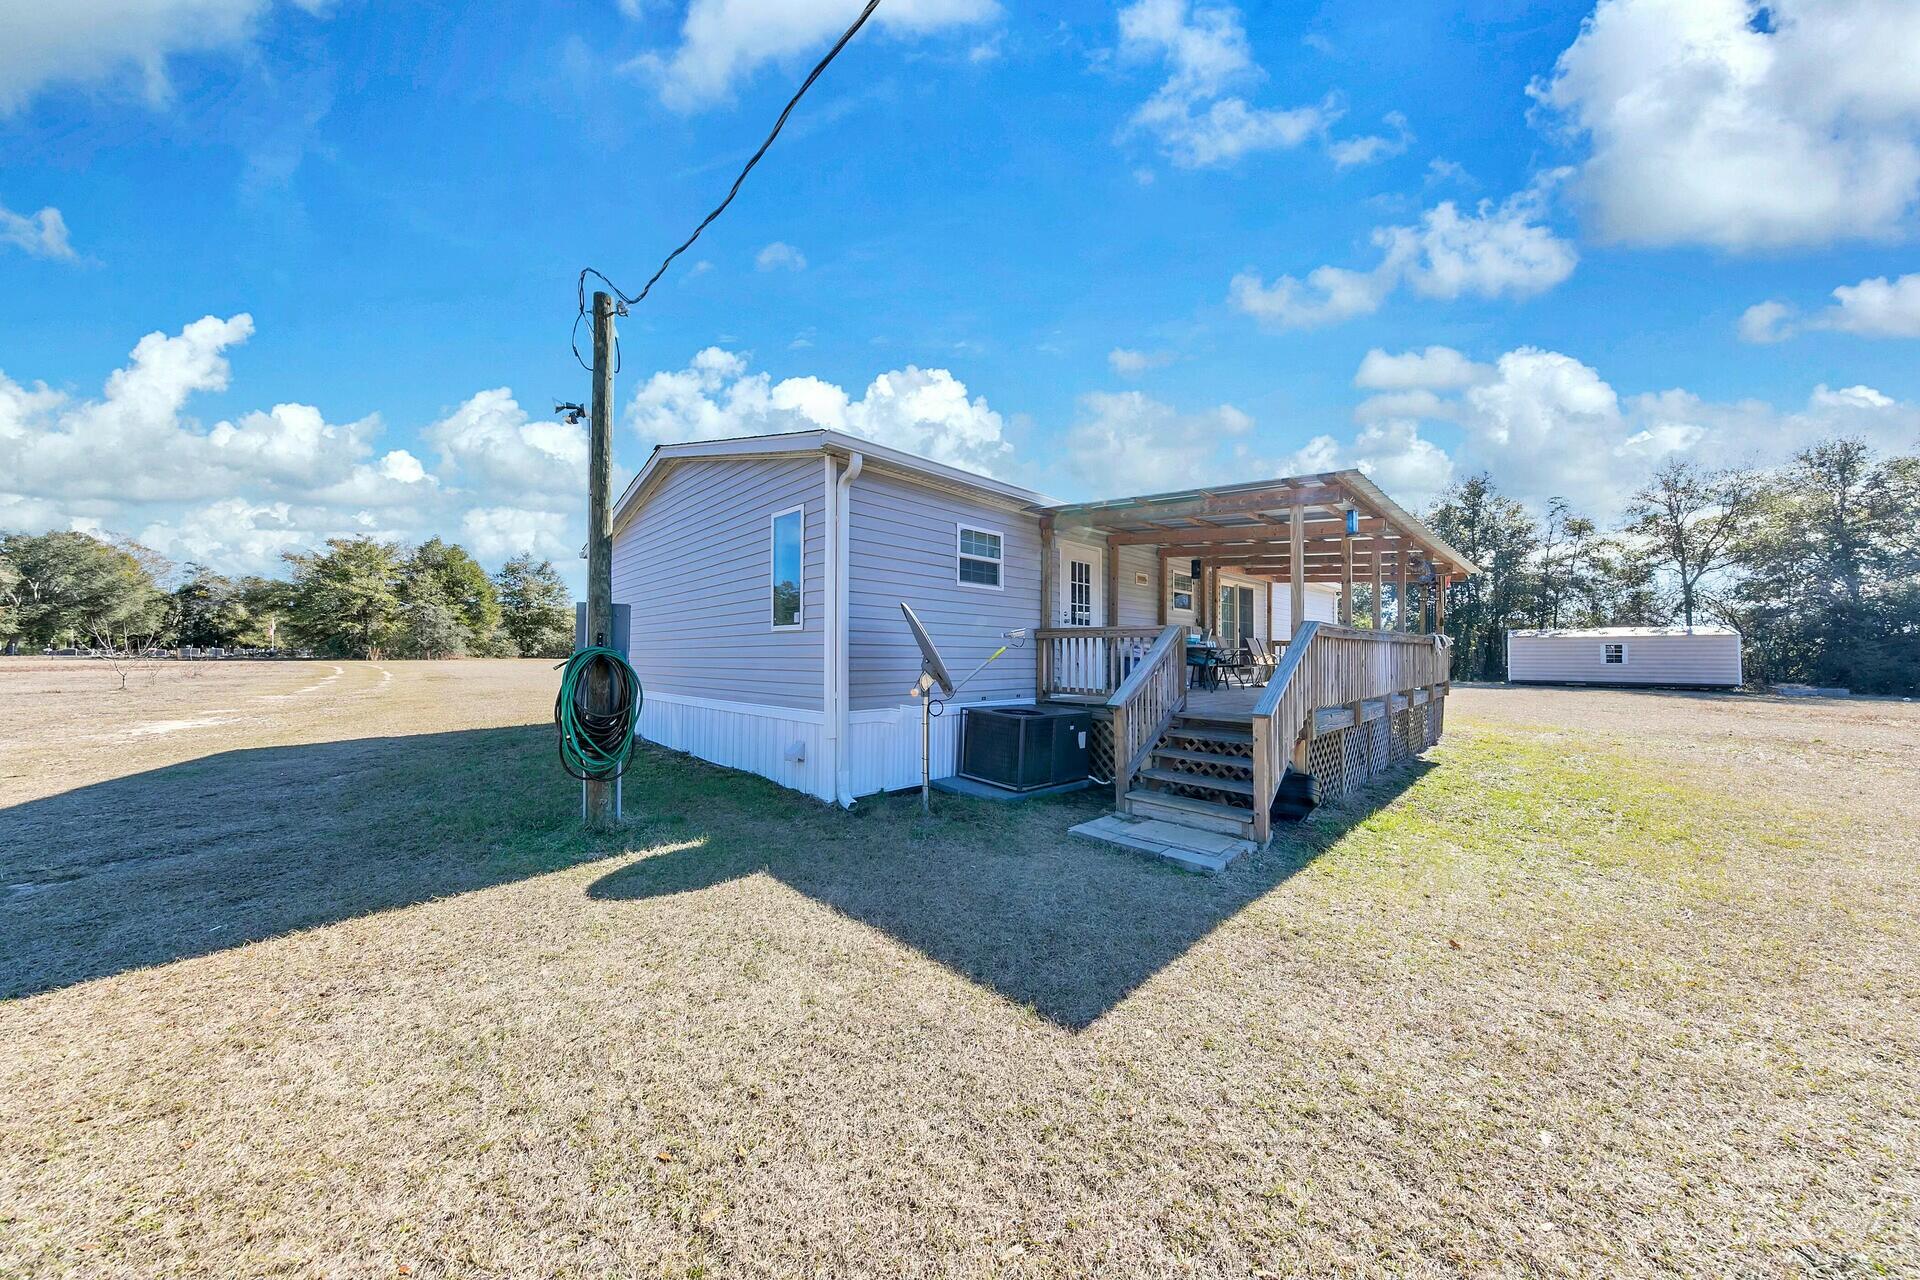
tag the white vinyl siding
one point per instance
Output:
(693, 563)
(1702, 659)
(1139, 582)
(902, 547)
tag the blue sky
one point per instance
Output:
(1098, 250)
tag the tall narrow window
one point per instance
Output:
(979, 558)
(1080, 593)
(1182, 592)
(789, 555)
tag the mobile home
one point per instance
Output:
(1701, 657)
(765, 576)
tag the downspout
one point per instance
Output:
(829, 633)
(843, 696)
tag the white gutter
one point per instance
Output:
(842, 505)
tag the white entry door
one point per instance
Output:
(1082, 603)
(1083, 586)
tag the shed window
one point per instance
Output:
(789, 556)
(1614, 655)
(979, 558)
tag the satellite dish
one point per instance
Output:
(930, 660)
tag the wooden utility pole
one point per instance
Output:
(601, 810)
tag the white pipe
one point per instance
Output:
(829, 636)
(843, 696)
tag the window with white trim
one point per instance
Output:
(979, 555)
(1182, 593)
(1614, 655)
(788, 558)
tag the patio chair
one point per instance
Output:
(1265, 660)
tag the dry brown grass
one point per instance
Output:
(1622, 984)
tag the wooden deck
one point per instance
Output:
(1234, 705)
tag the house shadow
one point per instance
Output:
(228, 849)
(195, 858)
(1000, 893)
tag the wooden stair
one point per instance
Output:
(1200, 775)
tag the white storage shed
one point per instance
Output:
(1701, 657)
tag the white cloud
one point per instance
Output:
(41, 235)
(1546, 425)
(1126, 442)
(238, 493)
(1503, 250)
(1874, 308)
(490, 443)
(1878, 308)
(1766, 322)
(1435, 369)
(780, 256)
(1721, 122)
(493, 534)
(923, 411)
(1197, 116)
(128, 42)
(1129, 363)
(722, 42)
(1370, 148)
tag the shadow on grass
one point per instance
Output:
(214, 853)
(231, 848)
(998, 893)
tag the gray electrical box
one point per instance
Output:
(622, 628)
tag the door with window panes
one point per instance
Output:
(1082, 603)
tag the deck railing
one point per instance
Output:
(1086, 664)
(1332, 666)
(1145, 704)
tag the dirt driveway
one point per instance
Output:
(305, 969)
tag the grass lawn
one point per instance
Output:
(307, 970)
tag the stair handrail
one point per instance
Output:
(1146, 702)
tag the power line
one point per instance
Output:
(627, 300)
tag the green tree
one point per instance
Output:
(429, 628)
(268, 602)
(9, 603)
(1830, 571)
(209, 610)
(1687, 521)
(344, 600)
(1496, 533)
(535, 607)
(443, 571)
(70, 586)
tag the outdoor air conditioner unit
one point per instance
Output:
(1024, 748)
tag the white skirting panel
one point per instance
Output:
(885, 742)
(741, 735)
(886, 745)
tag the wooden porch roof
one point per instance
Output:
(1247, 528)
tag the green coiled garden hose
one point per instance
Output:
(596, 745)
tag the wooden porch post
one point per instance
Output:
(1378, 543)
(1400, 591)
(1113, 585)
(1346, 579)
(1296, 568)
(1440, 603)
(1166, 586)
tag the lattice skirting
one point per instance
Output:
(1100, 748)
(1347, 759)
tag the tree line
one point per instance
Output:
(357, 598)
(1816, 563)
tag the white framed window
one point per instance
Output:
(978, 556)
(1181, 595)
(1614, 655)
(787, 557)
(1079, 593)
